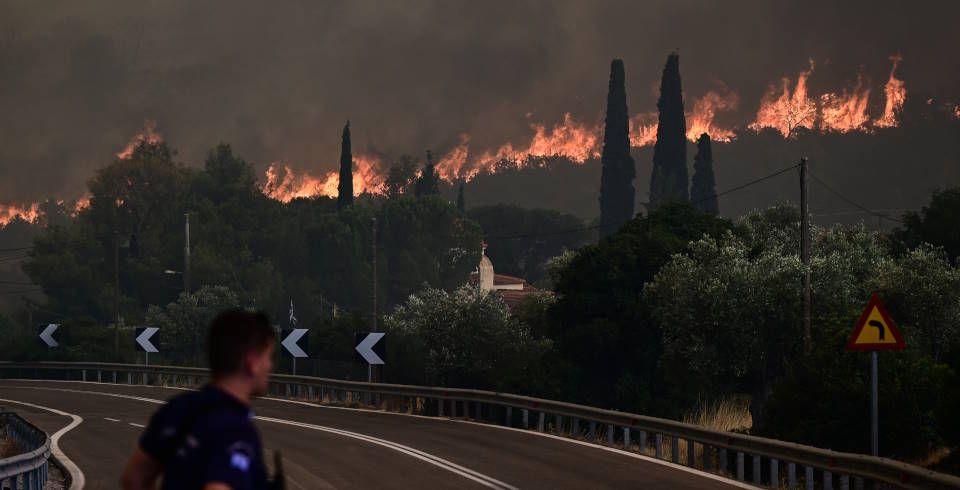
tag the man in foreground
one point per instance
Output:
(206, 440)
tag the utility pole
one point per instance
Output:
(805, 252)
(116, 295)
(370, 370)
(374, 274)
(29, 317)
(186, 256)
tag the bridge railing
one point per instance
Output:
(759, 461)
(24, 451)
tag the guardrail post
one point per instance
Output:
(643, 441)
(479, 411)
(675, 450)
(739, 466)
(609, 435)
(808, 477)
(84, 371)
(509, 420)
(626, 438)
(858, 483)
(592, 435)
(558, 424)
(791, 476)
(827, 480)
(129, 378)
(526, 418)
(691, 453)
(774, 473)
(706, 460)
(658, 445)
(756, 469)
(439, 407)
(724, 467)
(844, 482)
(541, 421)
(99, 376)
(575, 428)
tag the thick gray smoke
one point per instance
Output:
(278, 79)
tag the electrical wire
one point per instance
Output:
(22, 291)
(594, 227)
(853, 203)
(16, 249)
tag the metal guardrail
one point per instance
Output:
(767, 462)
(28, 469)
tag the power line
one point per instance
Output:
(851, 202)
(16, 249)
(22, 291)
(715, 195)
(748, 184)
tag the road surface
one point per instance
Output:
(329, 447)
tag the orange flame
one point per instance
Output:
(9, 212)
(149, 134)
(451, 166)
(789, 110)
(575, 140)
(643, 129)
(704, 110)
(285, 185)
(896, 92)
(81, 204)
(847, 111)
(580, 141)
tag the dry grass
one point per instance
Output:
(727, 414)
(9, 448)
(935, 457)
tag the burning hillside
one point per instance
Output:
(786, 107)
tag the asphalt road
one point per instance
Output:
(328, 447)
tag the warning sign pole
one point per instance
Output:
(874, 405)
(874, 332)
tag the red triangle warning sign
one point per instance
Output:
(875, 330)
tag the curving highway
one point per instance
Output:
(330, 447)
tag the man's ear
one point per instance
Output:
(249, 360)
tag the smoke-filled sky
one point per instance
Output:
(278, 79)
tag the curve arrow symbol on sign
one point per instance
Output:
(365, 348)
(144, 339)
(290, 342)
(47, 335)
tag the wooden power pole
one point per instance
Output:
(805, 252)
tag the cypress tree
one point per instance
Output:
(618, 171)
(345, 186)
(703, 191)
(461, 203)
(669, 181)
(429, 181)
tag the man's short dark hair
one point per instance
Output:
(233, 334)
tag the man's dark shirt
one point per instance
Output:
(203, 437)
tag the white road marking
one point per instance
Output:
(631, 454)
(137, 425)
(76, 476)
(437, 461)
(110, 419)
(480, 478)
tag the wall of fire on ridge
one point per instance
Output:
(786, 107)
